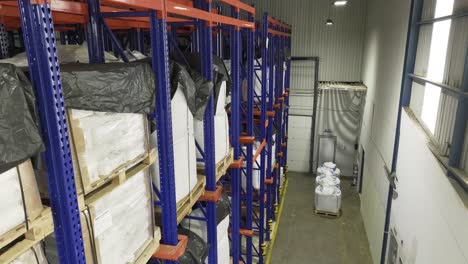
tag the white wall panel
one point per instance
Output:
(339, 47)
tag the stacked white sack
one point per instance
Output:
(183, 140)
(327, 191)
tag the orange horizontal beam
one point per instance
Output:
(277, 106)
(78, 8)
(212, 196)
(280, 154)
(278, 23)
(269, 181)
(173, 253)
(247, 139)
(240, 5)
(268, 113)
(281, 99)
(237, 164)
(259, 150)
(140, 4)
(278, 33)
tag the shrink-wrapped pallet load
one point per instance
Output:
(19, 198)
(34, 255)
(117, 224)
(121, 220)
(105, 143)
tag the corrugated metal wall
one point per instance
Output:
(454, 66)
(339, 47)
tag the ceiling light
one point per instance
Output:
(329, 22)
(340, 2)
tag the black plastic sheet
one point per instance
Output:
(110, 87)
(223, 207)
(196, 89)
(220, 75)
(20, 138)
(197, 249)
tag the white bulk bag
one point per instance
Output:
(327, 199)
(221, 128)
(183, 140)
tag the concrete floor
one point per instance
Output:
(303, 237)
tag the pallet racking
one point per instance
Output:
(147, 22)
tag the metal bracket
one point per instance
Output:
(391, 177)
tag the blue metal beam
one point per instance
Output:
(206, 53)
(250, 132)
(3, 42)
(235, 135)
(160, 60)
(39, 37)
(405, 99)
(263, 132)
(94, 32)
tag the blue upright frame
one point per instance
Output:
(39, 38)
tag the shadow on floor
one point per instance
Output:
(304, 237)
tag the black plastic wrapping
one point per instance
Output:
(220, 74)
(20, 138)
(197, 249)
(195, 88)
(110, 87)
(223, 208)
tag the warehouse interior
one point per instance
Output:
(234, 131)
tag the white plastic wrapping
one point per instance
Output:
(185, 163)
(11, 203)
(329, 167)
(327, 180)
(327, 199)
(11, 199)
(221, 124)
(35, 255)
(106, 141)
(122, 220)
(199, 228)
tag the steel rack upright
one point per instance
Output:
(274, 42)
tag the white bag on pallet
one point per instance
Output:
(199, 228)
(35, 255)
(183, 140)
(19, 197)
(221, 128)
(327, 199)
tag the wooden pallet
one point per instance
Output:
(184, 206)
(86, 188)
(116, 180)
(39, 228)
(325, 214)
(149, 250)
(221, 167)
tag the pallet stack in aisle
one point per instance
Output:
(328, 190)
